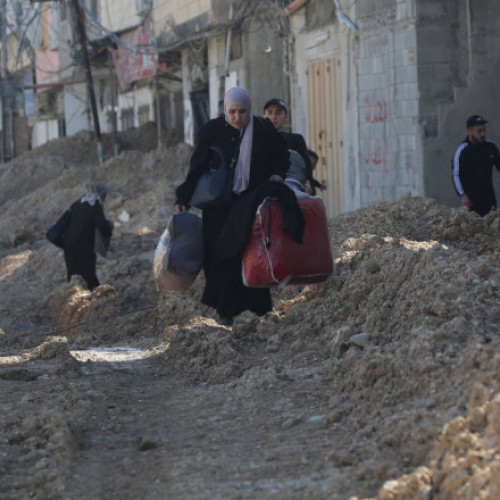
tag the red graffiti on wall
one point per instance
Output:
(375, 152)
(376, 109)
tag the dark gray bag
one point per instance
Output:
(179, 254)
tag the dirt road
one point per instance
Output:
(382, 382)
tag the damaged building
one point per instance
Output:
(380, 90)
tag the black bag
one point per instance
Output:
(56, 233)
(215, 187)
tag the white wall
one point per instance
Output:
(215, 63)
(44, 131)
(135, 99)
(76, 109)
(78, 113)
(188, 109)
(169, 13)
(113, 16)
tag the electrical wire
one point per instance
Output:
(247, 13)
(112, 35)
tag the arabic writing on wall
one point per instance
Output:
(374, 145)
(376, 109)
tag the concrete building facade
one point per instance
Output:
(380, 89)
(459, 70)
(109, 26)
(411, 72)
(222, 44)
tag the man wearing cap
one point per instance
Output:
(473, 164)
(275, 109)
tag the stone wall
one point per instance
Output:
(413, 72)
(459, 70)
(388, 98)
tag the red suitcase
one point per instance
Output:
(271, 257)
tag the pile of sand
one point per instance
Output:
(398, 349)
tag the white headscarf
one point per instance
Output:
(96, 191)
(239, 95)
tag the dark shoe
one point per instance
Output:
(224, 320)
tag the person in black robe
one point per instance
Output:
(86, 215)
(263, 157)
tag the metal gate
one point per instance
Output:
(325, 129)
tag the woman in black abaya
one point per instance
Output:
(86, 215)
(263, 157)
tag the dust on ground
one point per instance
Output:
(381, 383)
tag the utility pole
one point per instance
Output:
(3, 76)
(158, 108)
(82, 38)
(113, 103)
(157, 92)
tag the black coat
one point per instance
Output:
(472, 173)
(269, 153)
(224, 289)
(79, 240)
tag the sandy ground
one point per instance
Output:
(381, 383)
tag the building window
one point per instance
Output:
(127, 119)
(143, 114)
(236, 46)
(61, 127)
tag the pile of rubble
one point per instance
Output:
(396, 354)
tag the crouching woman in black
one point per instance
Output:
(86, 215)
(263, 157)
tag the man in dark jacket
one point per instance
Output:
(473, 164)
(276, 111)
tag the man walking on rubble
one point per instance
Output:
(473, 164)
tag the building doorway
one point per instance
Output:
(325, 129)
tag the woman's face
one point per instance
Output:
(238, 116)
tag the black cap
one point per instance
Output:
(276, 101)
(474, 120)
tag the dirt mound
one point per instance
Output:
(381, 382)
(464, 462)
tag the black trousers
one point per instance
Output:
(83, 264)
(224, 289)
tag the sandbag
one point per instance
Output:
(179, 254)
(271, 257)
